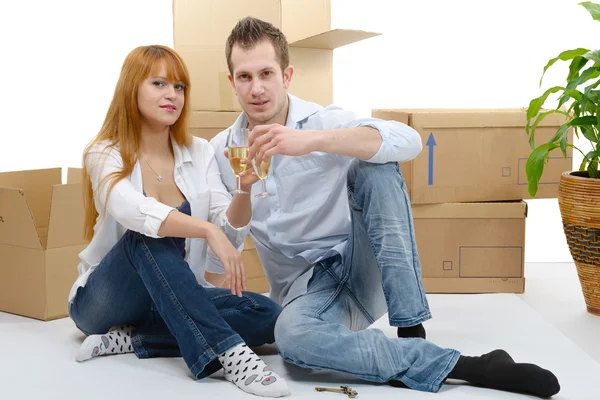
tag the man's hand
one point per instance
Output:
(268, 140)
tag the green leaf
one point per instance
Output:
(593, 9)
(593, 55)
(536, 104)
(592, 159)
(575, 94)
(583, 165)
(575, 66)
(590, 95)
(589, 134)
(563, 145)
(535, 166)
(583, 121)
(590, 73)
(539, 119)
(564, 56)
(560, 133)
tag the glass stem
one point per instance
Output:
(264, 185)
(239, 184)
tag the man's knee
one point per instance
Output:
(362, 171)
(291, 335)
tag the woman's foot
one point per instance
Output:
(116, 341)
(243, 368)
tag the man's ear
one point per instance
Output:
(288, 73)
(232, 83)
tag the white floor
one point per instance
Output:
(547, 325)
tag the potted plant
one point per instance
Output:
(579, 191)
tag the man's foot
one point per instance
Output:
(417, 331)
(243, 368)
(116, 341)
(497, 370)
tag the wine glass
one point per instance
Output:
(262, 171)
(238, 150)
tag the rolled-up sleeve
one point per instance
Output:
(399, 142)
(124, 203)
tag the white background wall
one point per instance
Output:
(61, 59)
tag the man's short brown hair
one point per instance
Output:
(249, 31)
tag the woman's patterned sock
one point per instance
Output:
(243, 368)
(116, 341)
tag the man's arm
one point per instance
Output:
(338, 132)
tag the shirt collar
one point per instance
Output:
(298, 111)
(182, 154)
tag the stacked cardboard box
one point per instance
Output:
(201, 28)
(466, 189)
(41, 236)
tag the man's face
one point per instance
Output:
(259, 84)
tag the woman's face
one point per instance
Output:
(160, 101)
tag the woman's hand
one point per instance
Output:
(235, 273)
(248, 177)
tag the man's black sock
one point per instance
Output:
(497, 370)
(416, 331)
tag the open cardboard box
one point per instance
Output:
(201, 28)
(41, 236)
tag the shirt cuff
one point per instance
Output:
(381, 156)
(235, 235)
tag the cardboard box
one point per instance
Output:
(471, 247)
(201, 28)
(255, 276)
(41, 236)
(476, 155)
(206, 124)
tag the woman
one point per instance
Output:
(155, 205)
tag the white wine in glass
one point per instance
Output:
(262, 171)
(238, 150)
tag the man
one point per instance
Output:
(337, 241)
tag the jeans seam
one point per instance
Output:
(171, 294)
(413, 240)
(220, 296)
(359, 305)
(141, 350)
(407, 209)
(331, 298)
(210, 354)
(238, 311)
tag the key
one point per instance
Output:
(343, 389)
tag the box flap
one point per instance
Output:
(16, 220)
(212, 119)
(305, 18)
(75, 175)
(476, 118)
(37, 185)
(391, 115)
(333, 39)
(67, 216)
(471, 210)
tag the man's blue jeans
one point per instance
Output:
(380, 272)
(145, 282)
